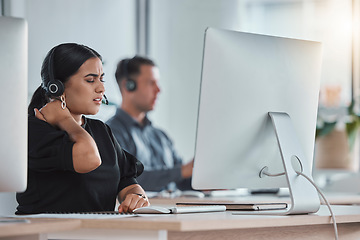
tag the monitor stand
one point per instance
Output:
(304, 197)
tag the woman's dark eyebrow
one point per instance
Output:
(94, 75)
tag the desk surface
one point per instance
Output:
(343, 198)
(209, 225)
(37, 226)
(192, 226)
(223, 225)
(225, 220)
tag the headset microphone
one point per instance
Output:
(105, 100)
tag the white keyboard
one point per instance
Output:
(196, 209)
(177, 209)
(78, 215)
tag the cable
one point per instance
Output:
(319, 191)
(326, 201)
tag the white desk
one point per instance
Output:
(222, 226)
(198, 226)
(36, 228)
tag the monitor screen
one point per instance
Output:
(244, 77)
(13, 107)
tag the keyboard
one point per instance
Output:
(198, 209)
(79, 215)
(178, 209)
(91, 213)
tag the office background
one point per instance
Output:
(171, 33)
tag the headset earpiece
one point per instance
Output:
(130, 83)
(55, 87)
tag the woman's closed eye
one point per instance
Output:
(92, 80)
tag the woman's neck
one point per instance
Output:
(78, 118)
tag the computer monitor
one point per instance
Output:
(245, 77)
(13, 107)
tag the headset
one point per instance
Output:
(130, 83)
(55, 87)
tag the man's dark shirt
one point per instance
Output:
(162, 165)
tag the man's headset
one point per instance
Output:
(130, 83)
(55, 87)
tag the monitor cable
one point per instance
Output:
(318, 190)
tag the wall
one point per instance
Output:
(326, 21)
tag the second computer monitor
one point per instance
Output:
(13, 107)
(244, 77)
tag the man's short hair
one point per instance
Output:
(130, 67)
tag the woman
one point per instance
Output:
(75, 164)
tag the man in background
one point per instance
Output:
(163, 168)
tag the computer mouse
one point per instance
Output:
(152, 210)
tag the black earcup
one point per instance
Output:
(130, 85)
(55, 88)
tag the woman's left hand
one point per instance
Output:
(133, 201)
